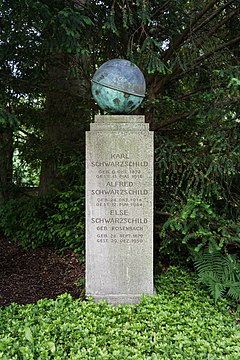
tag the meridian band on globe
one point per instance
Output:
(117, 88)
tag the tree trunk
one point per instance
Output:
(6, 164)
(65, 122)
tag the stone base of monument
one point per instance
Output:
(119, 299)
(119, 209)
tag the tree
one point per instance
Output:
(43, 67)
(188, 51)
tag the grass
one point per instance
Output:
(180, 322)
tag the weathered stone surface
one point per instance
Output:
(119, 209)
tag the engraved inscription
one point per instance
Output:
(120, 192)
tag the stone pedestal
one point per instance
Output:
(119, 209)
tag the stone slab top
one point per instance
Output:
(119, 119)
(119, 127)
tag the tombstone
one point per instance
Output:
(119, 199)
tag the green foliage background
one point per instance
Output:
(56, 220)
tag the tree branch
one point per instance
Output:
(223, 22)
(203, 88)
(160, 9)
(193, 92)
(169, 121)
(218, 48)
(155, 82)
(168, 53)
(212, 16)
(202, 58)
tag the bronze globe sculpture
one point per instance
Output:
(118, 86)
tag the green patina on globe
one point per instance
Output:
(118, 86)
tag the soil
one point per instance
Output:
(29, 275)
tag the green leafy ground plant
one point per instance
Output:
(180, 322)
(220, 273)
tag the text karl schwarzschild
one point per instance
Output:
(123, 163)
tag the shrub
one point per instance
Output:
(56, 220)
(181, 322)
(211, 243)
(197, 226)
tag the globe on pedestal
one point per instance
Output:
(118, 86)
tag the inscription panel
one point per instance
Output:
(119, 212)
